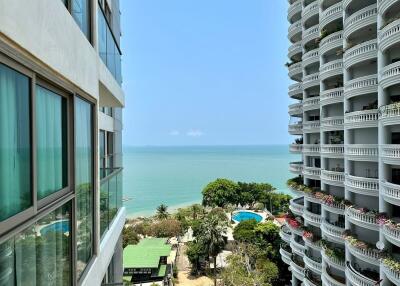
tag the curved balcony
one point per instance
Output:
(296, 71)
(390, 75)
(296, 90)
(385, 5)
(312, 264)
(337, 208)
(309, 282)
(390, 114)
(296, 128)
(296, 109)
(311, 198)
(296, 148)
(312, 218)
(331, 69)
(332, 42)
(313, 244)
(360, 53)
(285, 234)
(390, 192)
(333, 261)
(361, 119)
(392, 275)
(334, 233)
(362, 152)
(311, 126)
(286, 256)
(294, 9)
(311, 149)
(328, 280)
(331, 14)
(295, 49)
(294, 32)
(332, 150)
(296, 167)
(360, 19)
(361, 86)
(297, 270)
(297, 206)
(312, 172)
(390, 153)
(366, 254)
(297, 248)
(392, 234)
(357, 278)
(311, 80)
(294, 230)
(362, 219)
(310, 57)
(362, 185)
(332, 123)
(311, 103)
(333, 178)
(309, 11)
(311, 34)
(331, 96)
(389, 35)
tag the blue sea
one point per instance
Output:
(175, 176)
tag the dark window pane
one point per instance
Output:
(51, 142)
(102, 37)
(15, 153)
(41, 254)
(84, 182)
(81, 14)
(103, 207)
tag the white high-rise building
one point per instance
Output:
(61, 100)
(344, 58)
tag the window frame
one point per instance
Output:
(37, 72)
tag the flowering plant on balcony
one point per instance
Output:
(391, 224)
(354, 241)
(391, 263)
(335, 253)
(308, 235)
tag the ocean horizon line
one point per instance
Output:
(206, 145)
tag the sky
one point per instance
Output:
(205, 72)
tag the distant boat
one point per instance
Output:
(126, 199)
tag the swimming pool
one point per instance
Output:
(246, 215)
(62, 225)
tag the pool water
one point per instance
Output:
(243, 215)
(62, 226)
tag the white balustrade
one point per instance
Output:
(331, 96)
(368, 151)
(311, 148)
(332, 149)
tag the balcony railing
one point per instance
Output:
(390, 113)
(389, 35)
(294, 9)
(297, 247)
(333, 177)
(313, 264)
(294, 50)
(297, 206)
(362, 185)
(390, 151)
(312, 217)
(370, 255)
(311, 149)
(285, 234)
(328, 280)
(310, 10)
(286, 256)
(296, 70)
(360, 86)
(294, 29)
(390, 273)
(330, 42)
(314, 172)
(297, 270)
(108, 48)
(361, 119)
(331, 96)
(332, 231)
(310, 34)
(311, 80)
(362, 18)
(362, 219)
(356, 278)
(332, 123)
(331, 14)
(296, 90)
(392, 233)
(362, 152)
(390, 192)
(310, 57)
(311, 126)
(110, 198)
(311, 103)
(296, 167)
(332, 150)
(333, 261)
(296, 148)
(390, 75)
(296, 109)
(331, 69)
(360, 53)
(296, 128)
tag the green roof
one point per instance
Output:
(147, 253)
(162, 270)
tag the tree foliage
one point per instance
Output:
(245, 231)
(129, 236)
(162, 212)
(220, 193)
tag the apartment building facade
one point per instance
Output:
(344, 59)
(61, 100)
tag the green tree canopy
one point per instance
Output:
(244, 231)
(162, 212)
(220, 193)
(129, 236)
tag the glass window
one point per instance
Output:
(84, 182)
(81, 13)
(15, 153)
(102, 147)
(112, 189)
(51, 142)
(102, 36)
(103, 207)
(41, 254)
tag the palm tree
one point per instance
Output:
(162, 212)
(196, 209)
(211, 237)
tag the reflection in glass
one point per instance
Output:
(80, 12)
(41, 254)
(51, 142)
(84, 182)
(15, 183)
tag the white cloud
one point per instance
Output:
(174, 133)
(194, 133)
